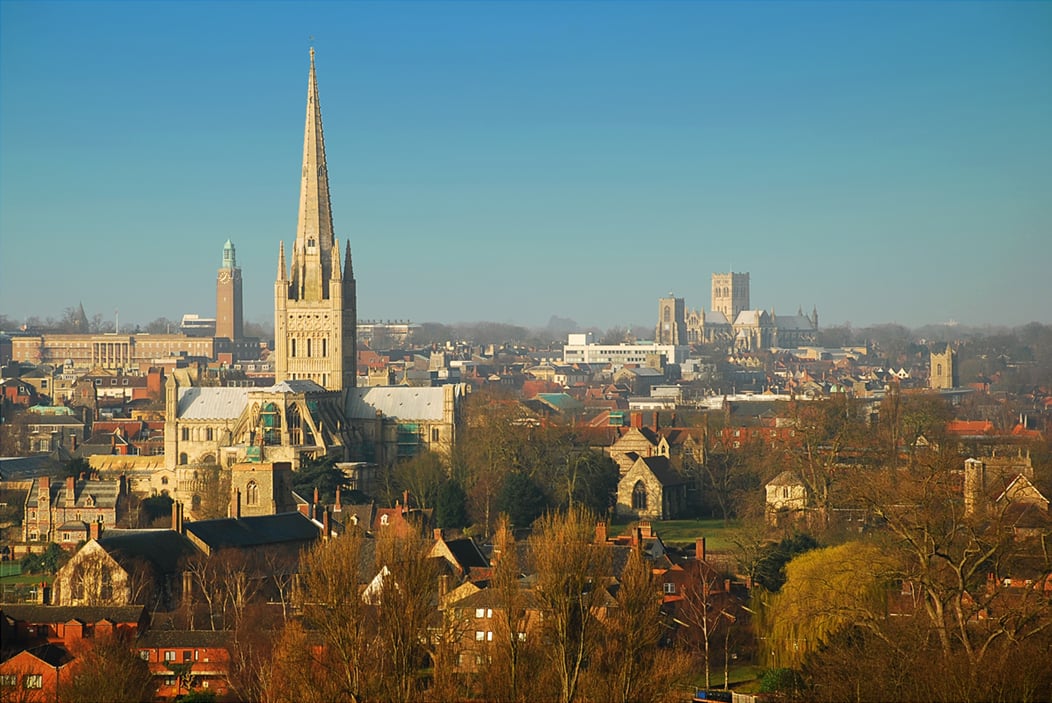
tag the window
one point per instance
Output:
(186, 434)
(252, 493)
(293, 340)
(187, 654)
(164, 480)
(480, 612)
(434, 434)
(669, 588)
(8, 679)
(144, 654)
(169, 655)
(480, 636)
(33, 681)
(383, 519)
(639, 496)
(489, 636)
(209, 434)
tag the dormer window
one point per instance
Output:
(383, 519)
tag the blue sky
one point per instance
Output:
(887, 162)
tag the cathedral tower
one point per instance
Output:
(315, 305)
(229, 319)
(730, 294)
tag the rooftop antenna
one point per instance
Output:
(116, 321)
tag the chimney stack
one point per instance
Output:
(337, 507)
(71, 491)
(699, 549)
(177, 517)
(94, 530)
(437, 534)
(600, 532)
(657, 420)
(326, 525)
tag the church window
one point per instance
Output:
(209, 434)
(293, 347)
(434, 434)
(639, 496)
(252, 493)
(308, 347)
(668, 314)
(183, 458)
(106, 585)
(324, 347)
(938, 370)
(186, 434)
(383, 519)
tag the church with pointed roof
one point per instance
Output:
(315, 305)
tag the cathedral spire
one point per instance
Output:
(314, 232)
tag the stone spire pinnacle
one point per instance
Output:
(314, 233)
(281, 260)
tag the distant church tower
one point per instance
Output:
(672, 324)
(315, 304)
(730, 294)
(944, 369)
(229, 319)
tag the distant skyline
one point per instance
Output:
(885, 162)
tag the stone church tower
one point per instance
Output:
(315, 304)
(672, 324)
(730, 294)
(943, 373)
(229, 317)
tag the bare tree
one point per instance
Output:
(571, 577)
(107, 670)
(405, 607)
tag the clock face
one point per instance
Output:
(224, 275)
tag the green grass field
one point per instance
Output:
(683, 532)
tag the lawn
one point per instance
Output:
(683, 532)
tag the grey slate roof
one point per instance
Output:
(296, 386)
(103, 493)
(254, 531)
(401, 402)
(662, 470)
(211, 403)
(40, 614)
(184, 638)
(162, 548)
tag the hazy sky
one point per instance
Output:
(887, 162)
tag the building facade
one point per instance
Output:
(314, 299)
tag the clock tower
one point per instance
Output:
(229, 319)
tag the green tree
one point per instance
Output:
(451, 505)
(321, 474)
(826, 591)
(521, 499)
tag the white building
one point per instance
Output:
(580, 349)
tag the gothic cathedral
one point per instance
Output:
(315, 305)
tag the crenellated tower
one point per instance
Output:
(315, 304)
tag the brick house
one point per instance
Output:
(187, 660)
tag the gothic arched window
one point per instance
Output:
(639, 496)
(252, 493)
(668, 314)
